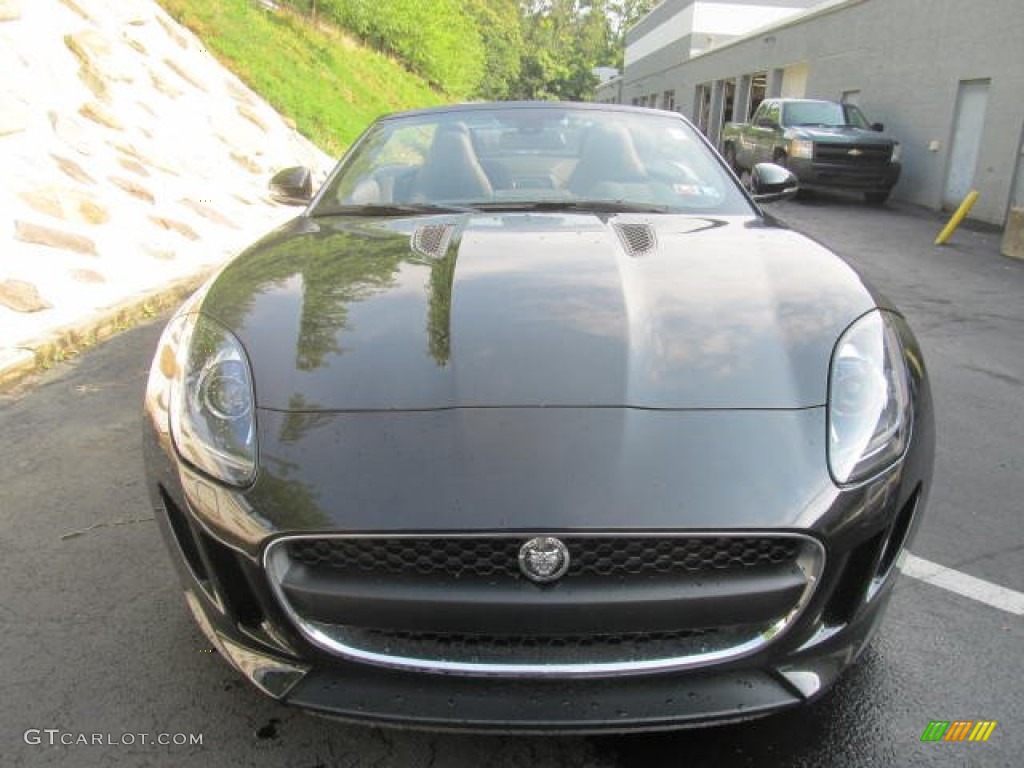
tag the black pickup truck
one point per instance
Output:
(825, 144)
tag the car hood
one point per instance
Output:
(520, 310)
(840, 135)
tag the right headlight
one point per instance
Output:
(801, 148)
(201, 376)
(869, 406)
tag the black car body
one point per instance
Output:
(826, 144)
(535, 422)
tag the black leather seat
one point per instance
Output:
(452, 171)
(608, 164)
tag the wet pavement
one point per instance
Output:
(96, 637)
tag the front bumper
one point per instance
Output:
(379, 696)
(219, 538)
(814, 173)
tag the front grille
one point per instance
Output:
(460, 604)
(857, 155)
(497, 557)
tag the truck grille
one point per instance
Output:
(859, 155)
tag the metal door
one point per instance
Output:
(971, 102)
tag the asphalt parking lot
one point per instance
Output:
(96, 638)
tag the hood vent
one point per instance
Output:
(637, 239)
(431, 240)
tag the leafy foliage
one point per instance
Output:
(306, 63)
(321, 78)
(493, 49)
(437, 39)
(501, 29)
(564, 41)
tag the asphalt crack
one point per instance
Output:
(103, 524)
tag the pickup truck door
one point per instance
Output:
(765, 131)
(746, 144)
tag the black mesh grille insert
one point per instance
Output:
(637, 239)
(545, 649)
(466, 642)
(490, 557)
(432, 240)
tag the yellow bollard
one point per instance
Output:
(958, 217)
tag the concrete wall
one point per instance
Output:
(907, 59)
(676, 30)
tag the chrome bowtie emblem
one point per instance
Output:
(543, 559)
(855, 152)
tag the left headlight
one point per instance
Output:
(869, 403)
(209, 397)
(897, 152)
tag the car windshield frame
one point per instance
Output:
(531, 157)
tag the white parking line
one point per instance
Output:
(983, 591)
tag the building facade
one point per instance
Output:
(945, 77)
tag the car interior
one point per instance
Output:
(456, 162)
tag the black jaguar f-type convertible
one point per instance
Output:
(532, 420)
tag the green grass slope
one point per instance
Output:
(331, 86)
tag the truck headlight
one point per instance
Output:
(209, 397)
(869, 402)
(897, 152)
(801, 148)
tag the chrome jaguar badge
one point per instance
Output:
(543, 559)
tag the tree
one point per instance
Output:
(564, 41)
(500, 24)
(623, 15)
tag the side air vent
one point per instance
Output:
(431, 240)
(637, 239)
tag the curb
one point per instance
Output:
(37, 355)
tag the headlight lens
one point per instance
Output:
(897, 152)
(212, 417)
(801, 148)
(869, 408)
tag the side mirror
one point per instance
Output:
(770, 183)
(877, 127)
(292, 186)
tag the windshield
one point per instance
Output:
(544, 157)
(824, 113)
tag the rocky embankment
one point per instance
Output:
(130, 162)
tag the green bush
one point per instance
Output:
(437, 39)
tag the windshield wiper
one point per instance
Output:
(391, 209)
(587, 206)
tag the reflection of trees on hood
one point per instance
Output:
(302, 416)
(286, 501)
(439, 310)
(336, 267)
(354, 267)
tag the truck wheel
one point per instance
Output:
(876, 198)
(729, 155)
